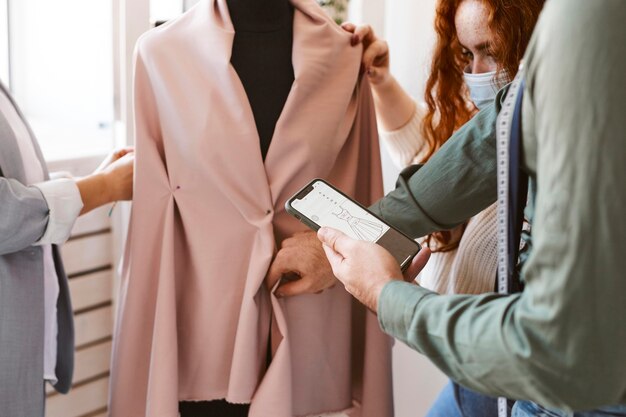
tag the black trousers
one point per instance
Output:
(218, 408)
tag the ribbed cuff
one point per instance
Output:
(65, 203)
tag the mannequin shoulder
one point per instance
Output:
(167, 37)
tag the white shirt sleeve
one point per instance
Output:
(406, 145)
(65, 203)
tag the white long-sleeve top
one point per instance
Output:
(471, 267)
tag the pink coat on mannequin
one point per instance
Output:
(195, 315)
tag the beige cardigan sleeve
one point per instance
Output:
(406, 145)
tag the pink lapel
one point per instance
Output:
(222, 137)
(321, 108)
(313, 122)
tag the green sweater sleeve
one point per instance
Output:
(562, 342)
(457, 182)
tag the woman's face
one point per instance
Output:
(471, 20)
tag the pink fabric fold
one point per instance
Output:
(195, 316)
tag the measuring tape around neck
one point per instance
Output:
(504, 125)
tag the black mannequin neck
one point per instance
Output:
(260, 15)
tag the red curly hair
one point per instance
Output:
(511, 23)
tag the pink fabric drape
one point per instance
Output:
(195, 315)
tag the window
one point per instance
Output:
(61, 72)
(4, 42)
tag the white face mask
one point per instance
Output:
(483, 87)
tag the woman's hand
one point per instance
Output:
(375, 52)
(394, 106)
(111, 181)
(364, 267)
(118, 169)
(112, 157)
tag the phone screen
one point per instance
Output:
(326, 207)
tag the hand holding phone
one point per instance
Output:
(319, 204)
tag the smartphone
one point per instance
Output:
(319, 204)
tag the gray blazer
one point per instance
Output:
(23, 220)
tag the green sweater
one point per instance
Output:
(562, 342)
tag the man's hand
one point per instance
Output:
(364, 267)
(302, 264)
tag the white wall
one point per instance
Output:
(409, 31)
(165, 9)
(371, 12)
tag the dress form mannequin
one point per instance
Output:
(262, 52)
(261, 56)
(195, 326)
